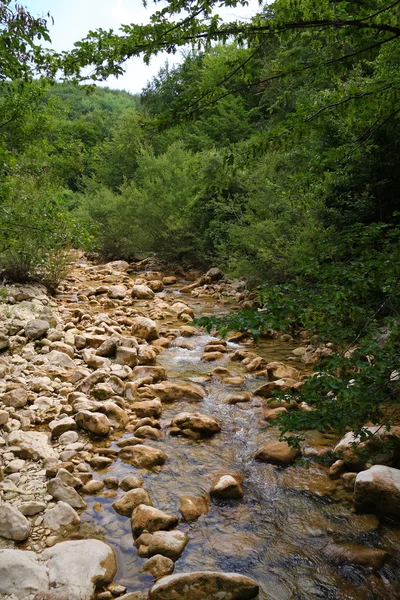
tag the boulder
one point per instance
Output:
(167, 543)
(96, 423)
(278, 370)
(130, 483)
(144, 328)
(378, 490)
(61, 515)
(196, 425)
(79, 567)
(130, 501)
(142, 292)
(205, 585)
(142, 457)
(117, 292)
(227, 486)
(21, 574)
(147, 408)
(36, 328)
(158, 566)
(192, 507)
(168, 391)
(13, 524)
(277, 453)
(63, 492)
(149, 519)
(15, 398)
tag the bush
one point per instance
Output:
(35, 232)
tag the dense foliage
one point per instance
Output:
(272, 151)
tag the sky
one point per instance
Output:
(74, 18)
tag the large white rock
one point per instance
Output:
(21, 574)
(70, 570)
(378, 489)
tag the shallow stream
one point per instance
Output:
(278, 533)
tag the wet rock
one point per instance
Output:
(60, 516)
(192, 507)
(63, 492)
(196, 425)
(283, 385)
(13, 524)
(144, 328)
(130, 483)
(168, 391)
(100, 462)
(60, 426)
(142, 292)
(227, 486)
(133, 596)
(130, 500)
(272, 414)
(17, 398)
(149, 519)
(211, 356)
(111, 483)
(96, 423)
(158, 566)
(169, 280)
(363, 556)
(130, 441)
(117, 417)
(148, 432)
(277, 453)
(378, 490)
(36, 328)
(147, 408)
(166, 543)
(32, 445)
(94, 487)
(142, 456)
(205, 585)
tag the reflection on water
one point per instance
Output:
(278, 532)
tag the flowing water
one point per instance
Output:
(278, 533)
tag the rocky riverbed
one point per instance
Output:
(139, 457)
